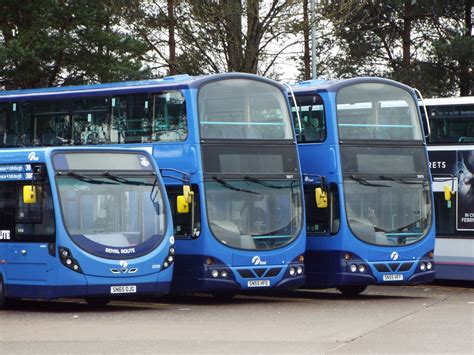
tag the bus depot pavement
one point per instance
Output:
(422, 319)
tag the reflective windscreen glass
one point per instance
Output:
(254, 214)
(243, 109)
(376, 111)
(389, 211)
(114, 211)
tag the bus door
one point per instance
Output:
(27, 229)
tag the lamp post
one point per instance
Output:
(313, 39)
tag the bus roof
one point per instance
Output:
(175, 82)
(463, 100)
(335, 85)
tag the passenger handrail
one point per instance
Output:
(296, 107)
(426, 112)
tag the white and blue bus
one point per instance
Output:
(86, 223)
(451, 154)
(241, 227)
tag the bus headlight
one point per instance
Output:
(361, 268)
(353, 268)
(66, 258)
(422, 266)
(215, 273)
(224, 274)
(429, 265)
(292, 271)
(299, 270)
(169, 258)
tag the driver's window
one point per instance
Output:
(322, 221)
(182, 222)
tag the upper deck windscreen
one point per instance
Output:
(377, 111)
(243, 109)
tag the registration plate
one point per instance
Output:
(258, 283)
(123, 289)
(393, 277)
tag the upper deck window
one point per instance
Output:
(375, 111)
(451, 124)
(243, 109)
(133, 118)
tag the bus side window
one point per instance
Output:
(322, 221)
(182, 221)
(313, 120)
(169, 117)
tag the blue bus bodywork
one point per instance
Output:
(229, 135)
(61, 243)
(361, 142)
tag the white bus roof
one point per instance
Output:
(463, 100)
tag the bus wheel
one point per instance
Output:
(97, 302)
(352, 291)
(3, 299)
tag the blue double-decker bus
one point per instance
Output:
(367, 184)
(240, 225)
(82, 222)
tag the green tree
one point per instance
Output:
(212, 36)
(57, 42)
(420, 43)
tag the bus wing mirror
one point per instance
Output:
(29, 194)
(182, 204)
(321, 198)
(188, 194)
(447, 193)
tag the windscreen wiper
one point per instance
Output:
(85, 178)
(401, 181)
(365, 182)
(267, 184)
(231, 187)
(124, 180)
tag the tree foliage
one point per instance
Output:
(425, 44)
(56, 42)
(420, 43)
